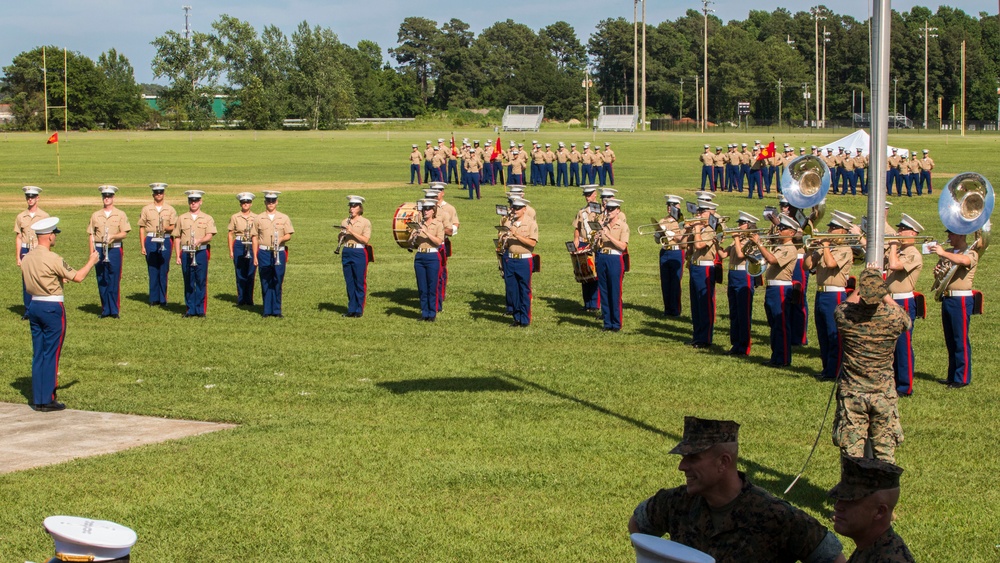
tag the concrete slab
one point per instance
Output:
(33, 439)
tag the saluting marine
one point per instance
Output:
(195, 231)
(156, 224)
(272, 230)
(240, 238)
(107, 229)
(355, 232)
(24, 236)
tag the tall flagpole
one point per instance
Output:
(880, 130)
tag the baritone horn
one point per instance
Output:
(964, 207)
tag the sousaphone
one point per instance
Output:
(964, 207)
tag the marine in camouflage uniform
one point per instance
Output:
(869, 325)
(866, 496)
(721, 513)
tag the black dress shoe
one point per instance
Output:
(944, 382)
(186, 315)
(698, 345)
(957, 385)
(50, 407)
(114, 316)
(347, 315)
(516, 324)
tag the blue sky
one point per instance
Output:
(92, 27)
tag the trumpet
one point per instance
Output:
(193, 248)
(414, 231)
(342, 237)
(246, 239)
(106, 241)
(275, 240)
(159, 231)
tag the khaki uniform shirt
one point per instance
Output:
(151, 219)
(588, 156)
(242, 226)
(116, 222)
(582, 222)
(720, 159)
(188, 225)
(745, 157)
(786, 255)
(848, 163)
(433, 227)
(473, 164)
(43, 272)
(439, 159)
(575, 156)
(962, 280)
(562, 155)
(702, 233)
(548, 156)
(23, 223)
(735, 260)
(905, 280)
(448, 215)
(525, 228)
(356, 226)
(670, 224)
(415, 157)
(926, 163)
(265, 227)
(609, 155)
(894, 161)
(429, 154)
(619, 231)
(597, 159)
(707, 158)
(836, 276)
(538, 156)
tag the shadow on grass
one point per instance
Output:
(488, 306)
(403, 296)
(17, 310)
(23, 386)
(805, 492)
(449, 384)
(143, 298)
(92, 308)
(926, 376)
(401, 312)
(332, 307)
(232, 298)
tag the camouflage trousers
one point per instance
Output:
(862, 416)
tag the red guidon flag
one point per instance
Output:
(453, 151)
(54, 138)
(496, 150)
(766, 152)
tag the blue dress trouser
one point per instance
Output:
(272, 277)
(415, 173)
(25, 296)
(574, 173)
(720, 176)
(109, 279)
(776, 306)
(707, 174)
(591, 291)
(610, 271)
(517, 282)
(830, 348)
(671, 274)
(486, 176)
(246, 272)
(452, 170)
(834, 178)
(562, 179)
(902, 361)
(859, 173)
(48, 329)
(740, 292)
(593, 175)
(427, 266)
(609, 171)
(585, 171)
(701, 287)
(472, 183)
(956, 312)
(549, 177)
(428, 171)
(925, 178)
(798, 310)
(195, 282)
(602, 172)
(355, 263)
(158, 267)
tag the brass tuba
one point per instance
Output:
(804, 184)
(964, 207)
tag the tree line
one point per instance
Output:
(269, 77)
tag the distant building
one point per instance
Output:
(219, 104)
(6, 115)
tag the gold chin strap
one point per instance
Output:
(65, 557)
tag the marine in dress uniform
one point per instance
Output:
(24, 237)
(957, 307)
(587, 168)
(740, 290)
(612, 244)
(597, 170)
(241, 228)
(562, 160)
(549, 157)
(778, 293)
(866, 496)
(107, 229)
(743, 174)
(473, 166)
(428, 162)
(272, 230)
(537, 164)
(904, 265)
(926, 165)
(156, 223)
(731, 163)
(355, 232)
(515, 171)
(574, 165)
(671, 257)
(520, 241)
(428, 240)
(487, 176)
(860, 165)
(43, 273)
(609, 163)
(756, 175)
(581, 240)
(832, 262)
(892, 175)
(438, 165)
(707, 160)
(720, 512)
(869, 323)
(702, 248)
(415, 158)
(847, 176)
(448, 216)
(194, 231)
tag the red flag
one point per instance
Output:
(53, 139)
(496, 150)
(453, 151)
(766, 152)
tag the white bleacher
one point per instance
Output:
(617, 118)
(523, 118)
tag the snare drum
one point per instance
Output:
(583, 267)
(406, 213)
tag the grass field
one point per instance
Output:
(381, 438)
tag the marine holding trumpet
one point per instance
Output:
(24, 235)
(426, 240)
(156, 222)
(195, 231)
(703, 249)
(669, 237)
(904, 263)
(610, 245)
(272, 229)
(518, 244)
(779, 293)
(107, 229)
(240, 238)
(355, 232)
(740, 288)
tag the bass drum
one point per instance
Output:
(406, 213)
(583, 267)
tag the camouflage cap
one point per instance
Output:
(871, 287)
(861, 476)
(701, 434)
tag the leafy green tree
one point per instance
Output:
(321, 88)
(418, 42)
(121, 104)
(560, 40)
(454, 66)
(24, 84)
(611, 48)
(193, 70)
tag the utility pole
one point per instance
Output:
(895, 108)
(826, 39)
(817, 14)
(635, 59)
(680, 106)
(805, 96)
(779, 102)
(643, 65)
(187, 22)
(704, 114)
(697, 101)
(927, 37)
(963, 88)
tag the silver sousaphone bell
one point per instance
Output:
(805, 181)
(964, 207)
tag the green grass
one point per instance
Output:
(383, 438)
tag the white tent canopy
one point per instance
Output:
(859, 140)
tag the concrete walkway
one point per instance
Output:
(33, 439)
